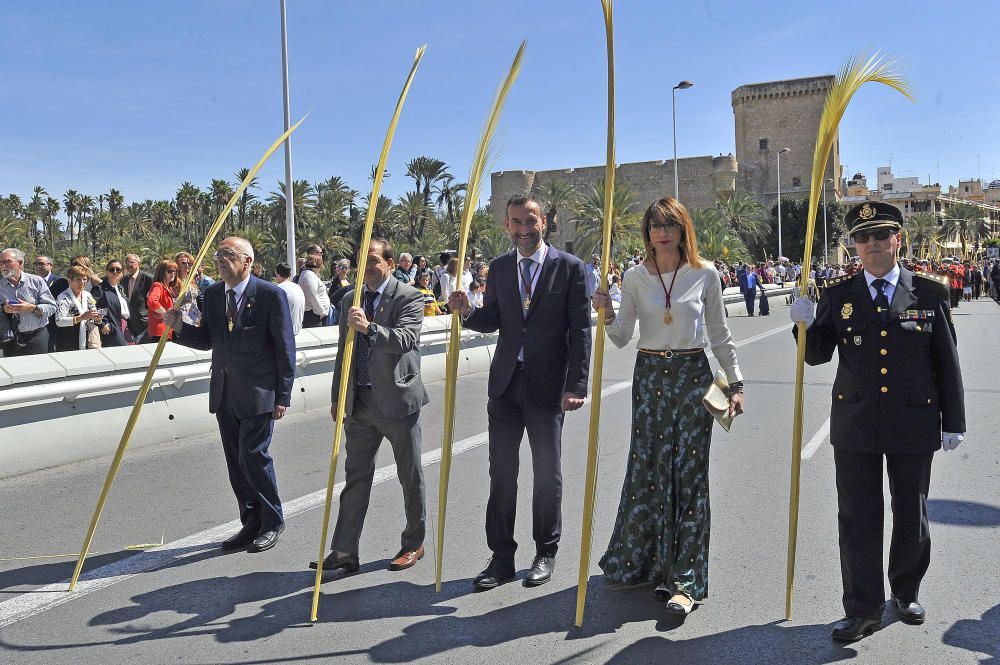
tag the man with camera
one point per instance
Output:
(27, 305)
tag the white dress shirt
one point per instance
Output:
(890, 288)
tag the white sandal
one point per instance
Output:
(678, 606)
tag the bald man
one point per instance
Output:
(247, 325)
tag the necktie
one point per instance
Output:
(881, 300)
(526, 265)
(231, 308)
(361, 343)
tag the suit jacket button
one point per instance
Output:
(929, 401)
(840, 397)
(885, 371)
(884, 389)
(884, 352)
(884, 333)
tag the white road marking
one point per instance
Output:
(822, 434)
(29, 604)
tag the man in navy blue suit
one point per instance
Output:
(247, 325)
(536, 296)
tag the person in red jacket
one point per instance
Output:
(161, 298)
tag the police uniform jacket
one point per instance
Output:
(897, 385)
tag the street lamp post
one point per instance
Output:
(826, 242)
(683, 85)
(289, 187)
(780, 152)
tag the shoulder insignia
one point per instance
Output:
(939, 279)
(839, 280)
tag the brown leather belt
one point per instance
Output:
(670, 353)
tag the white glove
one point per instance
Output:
(803, 310)
(950, 441)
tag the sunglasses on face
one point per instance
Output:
(669, 226)
(114, 270)
(878, 234)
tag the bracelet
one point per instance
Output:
(736, 387)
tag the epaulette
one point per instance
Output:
(840, 280)
(940, 279)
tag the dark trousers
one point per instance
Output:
(36, 341)
(312, 320)
(365, 429)
(748, 298)
(251, 470)
(509, 416)
(859, 500)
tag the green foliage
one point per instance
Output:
(794, 214)
(590, 220)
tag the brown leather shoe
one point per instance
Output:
(406, 558)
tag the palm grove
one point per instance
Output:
(425, 221)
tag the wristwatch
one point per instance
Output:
(372, 331)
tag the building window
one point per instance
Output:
(887, 187)
(763, 144)
(796, 181)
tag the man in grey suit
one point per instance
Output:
(384, 396)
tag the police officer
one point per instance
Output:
(898, 386)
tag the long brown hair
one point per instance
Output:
(160, 275)
(669, 209)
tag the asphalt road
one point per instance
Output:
(186, 603)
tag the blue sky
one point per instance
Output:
(142, 96)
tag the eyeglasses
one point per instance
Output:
(227, 254)
(114, 270)
(879, 234)
(42, 263)
(171, 272)
(185, 263)
(669, 226)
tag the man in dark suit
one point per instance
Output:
(536, 296)
(136, 285)
(898, 394)
(247, 325)
(384, 396)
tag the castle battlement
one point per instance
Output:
(810, 85)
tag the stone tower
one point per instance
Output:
(775, 115)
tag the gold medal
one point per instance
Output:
(668, 318)
(230, 325)
(527, 302)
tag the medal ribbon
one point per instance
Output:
(667, 292)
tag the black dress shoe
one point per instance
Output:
(266, 540)
(496, 573)
(910, 612)
(241, 540)
(339, 561)
(541, 570)
(852, 629)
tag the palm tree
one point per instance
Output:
(71, 200)
(557, 195)
(303, 202)
(746, 217)
(923, 228)
(717, 239)
(246, 197)
(590, 219)
(426, 171)
(51, 222)
(186, 200)
(967, 222)
(446, 193)
(411, 210)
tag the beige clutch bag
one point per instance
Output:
(717, 403)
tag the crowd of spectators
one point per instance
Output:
(43, 312)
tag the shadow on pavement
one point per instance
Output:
(30, 577)
(977, 635)
(962, 513)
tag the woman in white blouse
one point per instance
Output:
(661, 533)
(76, 312)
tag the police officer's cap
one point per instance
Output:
(873, 215)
